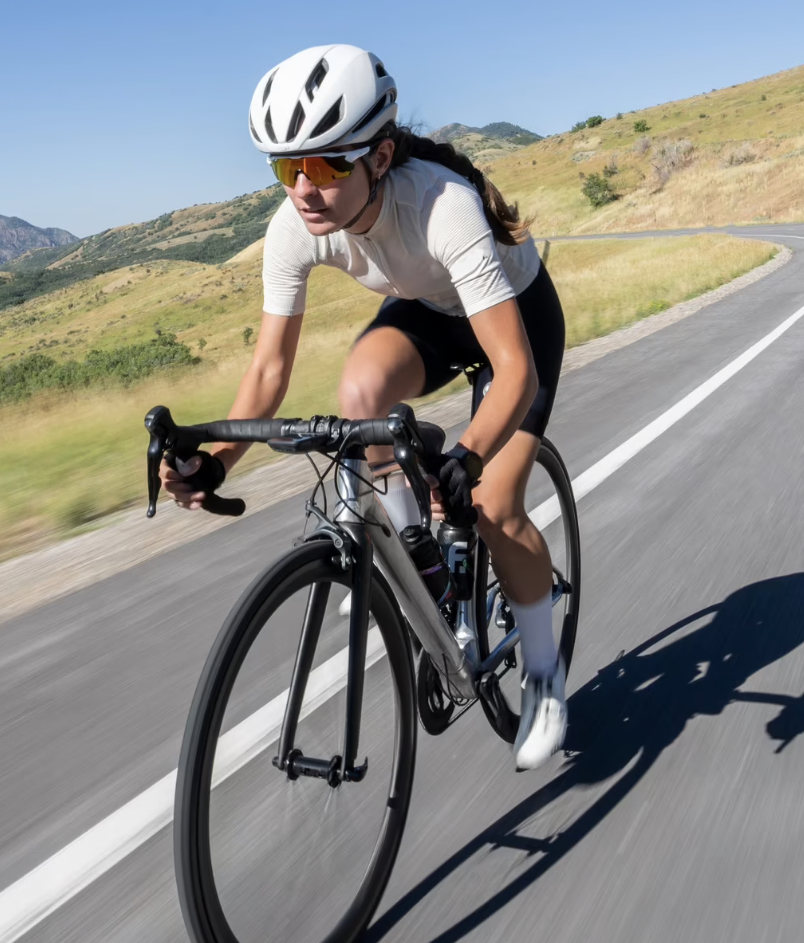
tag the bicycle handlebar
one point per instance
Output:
(320, 433)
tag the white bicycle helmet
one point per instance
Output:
(322, 97)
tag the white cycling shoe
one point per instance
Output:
(543, 723)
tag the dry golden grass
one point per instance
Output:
(606, 284)
(81, 457)
(746, 164)
(189, 299)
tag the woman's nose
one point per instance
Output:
(303, 187)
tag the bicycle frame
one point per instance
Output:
(454, 652)
(358, 504)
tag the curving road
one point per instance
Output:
(677, 814)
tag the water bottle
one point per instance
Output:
(457, 546)
(426, 555)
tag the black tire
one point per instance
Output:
(198, 893)
(552, 463)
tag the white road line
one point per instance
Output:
(39, 893)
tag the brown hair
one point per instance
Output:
(506, 226)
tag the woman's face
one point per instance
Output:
(327, 208)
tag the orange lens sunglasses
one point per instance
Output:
(320, 169)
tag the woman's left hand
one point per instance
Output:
(451, 491)
(436, 503)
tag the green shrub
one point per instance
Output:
(122, 365)
(598, 191)
(580, 126)
(594, 121)
(619, 116)
(247, 332)
(641, 126)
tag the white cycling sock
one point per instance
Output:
(399, 501)
(535, 621)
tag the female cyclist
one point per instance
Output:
(417, 222)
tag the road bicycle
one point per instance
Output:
(302, 847)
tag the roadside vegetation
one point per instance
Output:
(77, 454)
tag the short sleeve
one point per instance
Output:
(460, 238)
(288, 257)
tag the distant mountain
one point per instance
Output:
(17, 237)
(486, 144)
(498, 130)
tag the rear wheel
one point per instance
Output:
(258, 855)
(557, 519)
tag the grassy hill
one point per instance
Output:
(210, 233)
(729, 156)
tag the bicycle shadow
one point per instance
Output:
(631, 711)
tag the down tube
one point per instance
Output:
(417, 604)
(357, 507)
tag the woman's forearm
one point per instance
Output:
(265, 383)
(502, 410)
(259, 397)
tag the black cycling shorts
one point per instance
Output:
(447, 344)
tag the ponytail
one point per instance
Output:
(506, 226)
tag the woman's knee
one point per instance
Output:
(383, 368)
(362, 393)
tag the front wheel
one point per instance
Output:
(260, 856)
(556, 517)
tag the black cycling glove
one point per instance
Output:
(455, 484)
(209, 477)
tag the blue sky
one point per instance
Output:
(116, 113)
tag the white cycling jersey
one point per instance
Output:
(431, 242)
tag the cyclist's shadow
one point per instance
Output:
(632, 710)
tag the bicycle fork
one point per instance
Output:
(338, 768)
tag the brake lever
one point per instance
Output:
(167, 442)
(160, 426)
(405, 457)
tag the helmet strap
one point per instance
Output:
(375, 189)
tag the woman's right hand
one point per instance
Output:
(176, 486)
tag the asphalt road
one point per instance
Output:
(678, 813)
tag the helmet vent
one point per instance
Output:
(330, 119)
(269, 128)
(296, 121)
(316, 78)
(372, 113)
(267, 91)
(380, 69)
